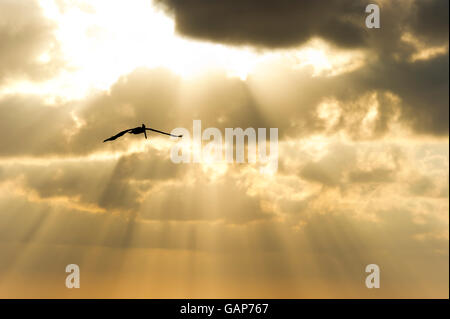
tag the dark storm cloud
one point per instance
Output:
(430, 20)
(422, 87)
(269, 23)
(25, 34)
(287, 23)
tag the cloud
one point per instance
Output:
(146, 184)
(286, 23)
(364, 104)
(377, 175)
(97, 212)
(390, 87)
(185, 201)
(97, 184)
(332, 250)
(26, 35)
(422, 86)
(330, 169)
(30, 127)
(268, 24)
(430, 20)
(349, 190)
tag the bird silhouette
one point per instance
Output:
(138, 130)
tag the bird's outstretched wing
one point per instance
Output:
(150, 129)
(117, 135)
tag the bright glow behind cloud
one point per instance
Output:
(101, 40)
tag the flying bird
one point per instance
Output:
(138, 130)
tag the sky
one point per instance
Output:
(363, 143)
